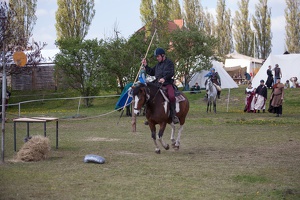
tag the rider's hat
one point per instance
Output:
(159, 51)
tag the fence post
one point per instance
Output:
(78, 106)
(19, 109)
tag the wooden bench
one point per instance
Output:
(34, 120)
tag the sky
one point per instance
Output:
(124, 16)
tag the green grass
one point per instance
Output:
(228, 155)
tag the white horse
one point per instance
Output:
(211, 95)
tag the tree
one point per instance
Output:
(193, 50)
(193, 14)
(242, 32)
(175, 10)
(292, 28)
(162, 16)
(208, 23)
(73, 18)
(20, 23)
(147, 15)
(79, 64)
(262, 24)
(122, 58)
(223, 29)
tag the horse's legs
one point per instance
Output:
(153, 135)
(177, 143)
(173, 134)
(160, 135)
(215, 106)
(207, 106)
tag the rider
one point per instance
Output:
(215, 78)
(164, 72)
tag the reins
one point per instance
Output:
(160, 86)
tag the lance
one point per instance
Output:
(138, 74)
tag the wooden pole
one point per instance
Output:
(133, 120)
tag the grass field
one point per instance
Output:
(228, 155)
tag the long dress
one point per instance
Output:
(261, 96)
(249, 100)
(270, 80)
(277, 97)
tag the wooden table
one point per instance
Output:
(34, 120)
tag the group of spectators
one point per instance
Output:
(256, 98)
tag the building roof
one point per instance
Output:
(172, 25)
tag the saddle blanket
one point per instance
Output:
(179, 98)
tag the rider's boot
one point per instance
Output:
(218, 93)
(173, 113)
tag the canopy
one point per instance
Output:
(289, 65)
(226, 80)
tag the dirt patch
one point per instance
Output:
(100, 139)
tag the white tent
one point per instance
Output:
(235, 59)
(288, 63)
(226, 80)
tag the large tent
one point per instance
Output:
(288, 63)
(235, 60)
(226, 80)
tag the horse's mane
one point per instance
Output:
(136, 88)
(142, 85)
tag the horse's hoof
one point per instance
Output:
(173, 141)
(176, 148)
(167, 147)
(157, 151)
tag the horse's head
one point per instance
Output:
(208, 84)
(140, 96)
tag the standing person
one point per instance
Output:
(215, 78)
(277, 97)
(247, 77)
(249, 102)
(164, 72)
(270, 80)
(277, 72)
(260, 97)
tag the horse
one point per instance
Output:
(211, 95)
(157, 112)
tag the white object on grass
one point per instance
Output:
(91, 158)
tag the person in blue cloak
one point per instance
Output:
(215, 78)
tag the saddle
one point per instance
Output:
(178, 95)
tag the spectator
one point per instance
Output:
(277, 72)
(287, 84)
(247, 77)
(260, 97)
(270, 80)
(249, 100)
(277, 97)
(294, 81)
(195, 89)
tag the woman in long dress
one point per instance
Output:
(277, 97)
(249, 100)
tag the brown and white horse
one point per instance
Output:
(158, 112)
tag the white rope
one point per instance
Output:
(71, 119)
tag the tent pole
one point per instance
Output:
(228, 98)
